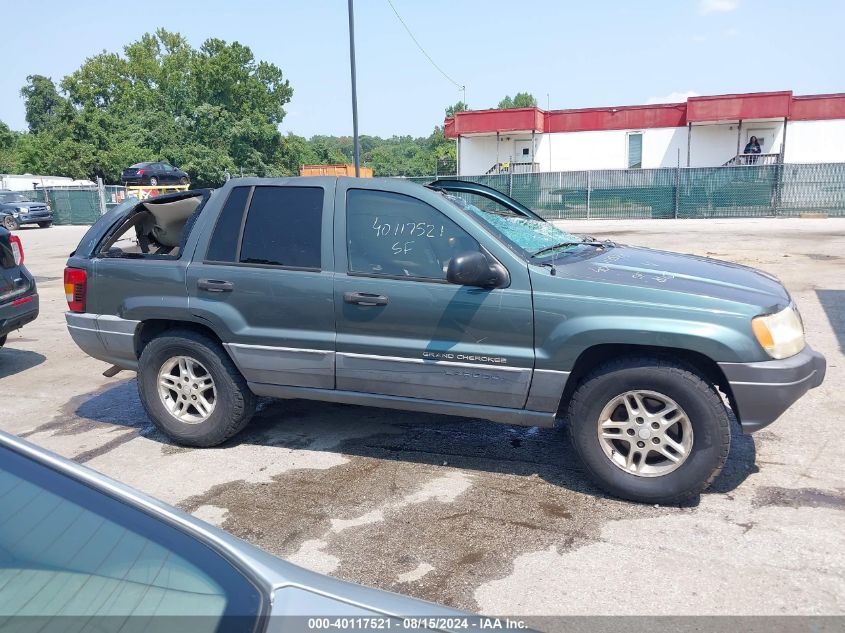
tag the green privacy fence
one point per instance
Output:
(697, 192)
(78, 205)
(688, 192)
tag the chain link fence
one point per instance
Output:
(687, 192)
(79, 205)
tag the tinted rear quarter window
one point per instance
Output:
(283, 227)
(7, 258)
(224, 240)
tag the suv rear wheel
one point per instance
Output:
(191, 389)
(649, 429)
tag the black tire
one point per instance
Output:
(10, 223)
(696, 396)
(183, 180)
(3, 340)
(153, 181)
(234, 405)
(45, 225)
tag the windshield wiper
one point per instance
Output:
(564, 244)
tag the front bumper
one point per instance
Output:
(17, 313)
(763, 391)
(33, 218)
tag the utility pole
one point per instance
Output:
(356, 148)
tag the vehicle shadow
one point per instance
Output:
(833, 304)
(463, 443)
(13, 361)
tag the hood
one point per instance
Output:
(26, 205)
(638, 267)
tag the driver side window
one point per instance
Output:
(400, 236)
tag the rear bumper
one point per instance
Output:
(14, 316)
(763, 391)
(104, 337)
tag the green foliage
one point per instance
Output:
(8, 154)
(460, 106)
(42, 102)
(212, 111)
(520, 100)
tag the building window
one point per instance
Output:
(635, 150)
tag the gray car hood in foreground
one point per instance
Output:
(294, 591)
(638, 267)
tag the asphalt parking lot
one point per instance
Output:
(476, 515)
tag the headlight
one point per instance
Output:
(22, 209)
(781, 334)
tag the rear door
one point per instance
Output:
(402, 329)
(263, 280)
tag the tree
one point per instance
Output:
(460, 106)
(211, 110)
(42, 102)
(8, 155)
(520, 100)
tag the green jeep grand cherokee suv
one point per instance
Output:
(450, 298)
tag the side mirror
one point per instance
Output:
(474, 269)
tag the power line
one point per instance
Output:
(422, 50)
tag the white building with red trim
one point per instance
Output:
(702, 132)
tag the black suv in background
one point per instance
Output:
(154, 173)
(17, 209)
(18, 296)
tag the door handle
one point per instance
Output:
(364, 299)
(215, 285)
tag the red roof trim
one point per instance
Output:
(620, 118)
(758, 105)
(481, 121)
(818, 107)
(731, 107)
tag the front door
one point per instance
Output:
(402, 330)
(264, 283)
(523, 152)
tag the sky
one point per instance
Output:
(568, 54)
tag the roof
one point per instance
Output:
(704, 109)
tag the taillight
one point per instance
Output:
(76, 285)
(140, 172)
(17, 249)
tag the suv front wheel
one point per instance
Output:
(649, 429)
(191, 389)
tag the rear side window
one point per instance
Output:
(283, 227)
(7, 258)
(224, 240)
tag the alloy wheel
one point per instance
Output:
(186, 389)
(645, 433)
